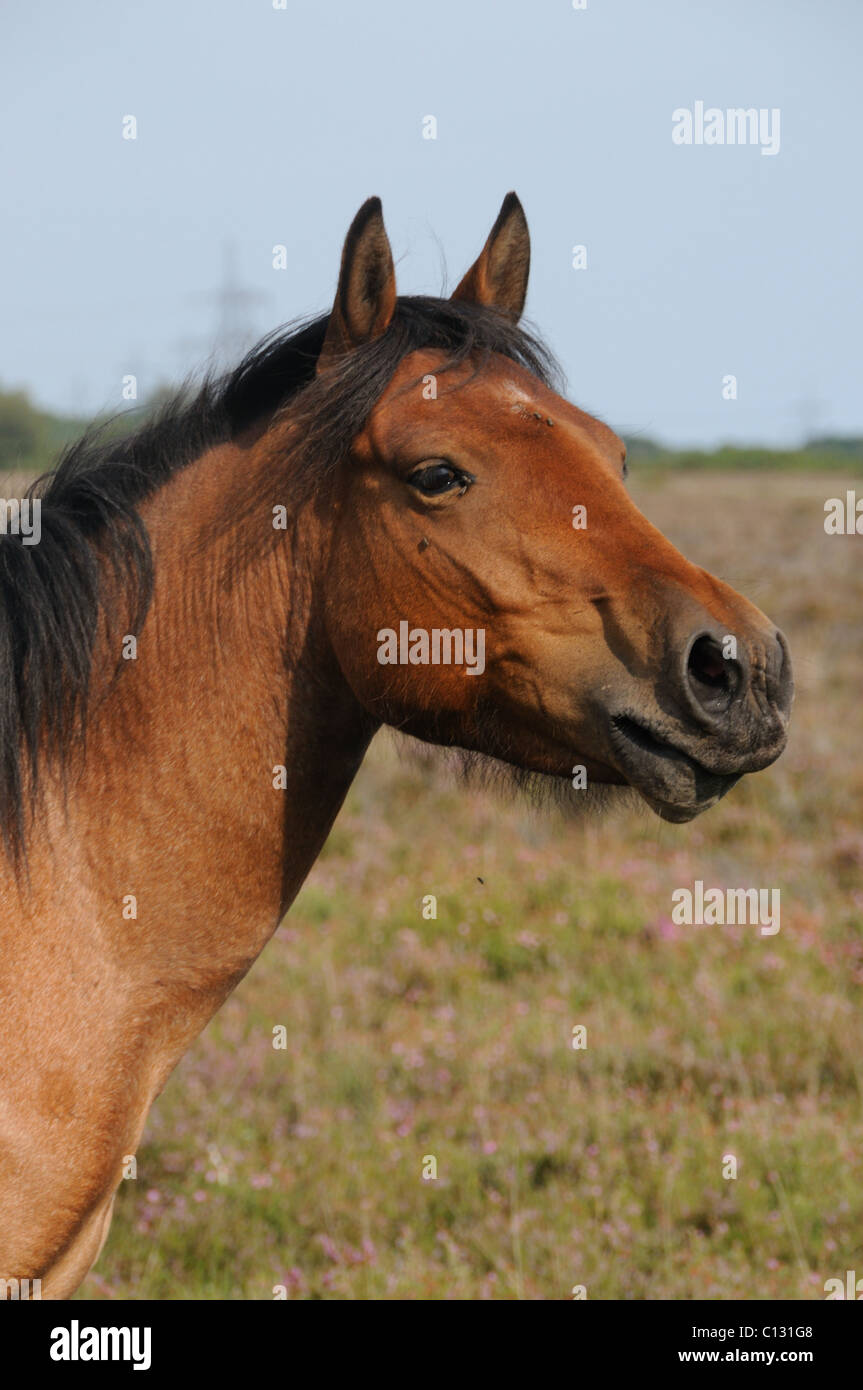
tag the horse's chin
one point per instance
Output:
(673, 783)
(679, 814)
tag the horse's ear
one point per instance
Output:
(366, 296)
(498, 277)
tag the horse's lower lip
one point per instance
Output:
(674, 783)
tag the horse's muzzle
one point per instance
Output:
(719, 711)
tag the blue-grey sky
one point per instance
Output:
(260, 126)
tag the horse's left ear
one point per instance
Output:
(498, 277)
(366, 296)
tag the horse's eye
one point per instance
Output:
(434, 479)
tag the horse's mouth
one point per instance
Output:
(673, 783)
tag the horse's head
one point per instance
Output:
(492, 586)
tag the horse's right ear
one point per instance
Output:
(498, 277)
(366, 296)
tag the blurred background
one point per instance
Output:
(259, 127)
(259, 130)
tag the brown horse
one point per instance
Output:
(386, 516)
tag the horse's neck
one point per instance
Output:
(214, 769)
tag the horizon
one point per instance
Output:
(682, 233)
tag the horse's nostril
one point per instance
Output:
(707, 663)
(713, 678)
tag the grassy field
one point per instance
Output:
(451, 1038)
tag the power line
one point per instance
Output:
(233, 303)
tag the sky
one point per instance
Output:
(259, 127)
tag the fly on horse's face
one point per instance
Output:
(477, 500)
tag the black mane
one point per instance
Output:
(53, 594)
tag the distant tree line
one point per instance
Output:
(841, 455)
(31, 440)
